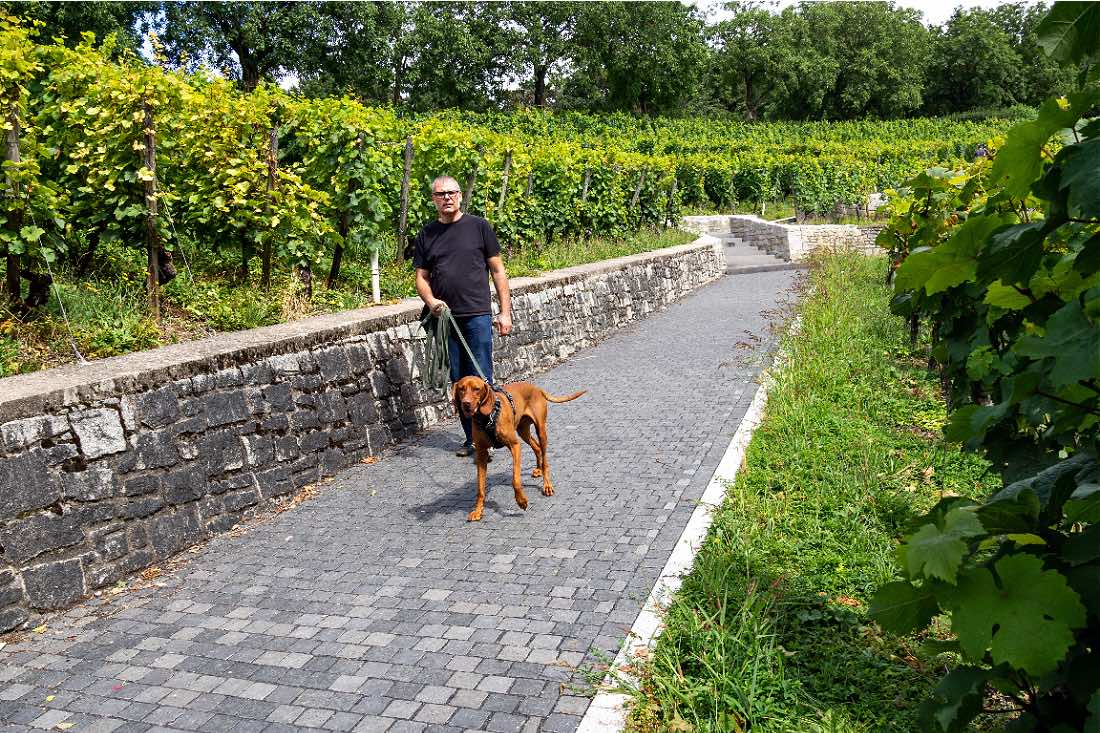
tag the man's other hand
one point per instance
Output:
(437, 308)
(504, 324)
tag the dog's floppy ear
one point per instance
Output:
(486, 394)
(454, 399)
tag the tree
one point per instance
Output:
(973, 65)
(874, 52)
(544, 36)
(648, 58)
(352, 51)
(452, 55)
(70, 19)
(249, 40)
(749, 51)
(1040, 75)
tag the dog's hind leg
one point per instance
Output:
(524, 431)
(547, 487)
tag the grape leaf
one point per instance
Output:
(1084, 504)
(937, 553)
(1013, 254)
(1071, 340)
(1069, 32)
(1026, 621)
(1080, 176)
(958, 699)
(1020, 160)
(901, 608)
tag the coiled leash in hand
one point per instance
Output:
(437, 355)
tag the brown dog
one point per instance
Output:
(508, 420)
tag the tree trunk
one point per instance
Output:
(750, 104)
(152, 237)
(540, 86)
(15, 213)
(344, 227)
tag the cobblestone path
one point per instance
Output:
(375, 606)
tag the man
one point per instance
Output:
(453, 257)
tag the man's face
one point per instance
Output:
(446, 196)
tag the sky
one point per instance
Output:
(935, 11)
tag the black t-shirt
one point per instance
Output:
(456, 257)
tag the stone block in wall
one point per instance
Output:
(185, 484)
(22, 434)
(224, 408)
(158, 408)
(221, 451)
(98, 432)
(54, 584)
(171, 532)
(26, 538)
(95, 483)
(25, 484)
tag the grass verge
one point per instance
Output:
(109, 316)
(769, 631)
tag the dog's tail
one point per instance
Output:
(551, 398)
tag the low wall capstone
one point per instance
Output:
(110, 467)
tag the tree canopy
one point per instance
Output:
(837, 60)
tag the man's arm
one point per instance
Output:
(424, 290)
(500, 280)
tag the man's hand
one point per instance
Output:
(437, 307)
(504, 323)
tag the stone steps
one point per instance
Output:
(744, 258)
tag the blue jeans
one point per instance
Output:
(478, 332)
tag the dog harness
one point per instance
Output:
(488, 423)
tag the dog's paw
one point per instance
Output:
(547, 490)
(536, 473)
(474, 516)
(521, 501)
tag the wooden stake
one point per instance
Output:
(471, 180)
(344, 227)
(504, 183)
(402, 224)
(530, 183)
(638, 189)
(152, 237)
(15, 213)
(587, 180)
(272, 169)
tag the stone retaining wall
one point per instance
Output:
(792, 242)
(110, 467)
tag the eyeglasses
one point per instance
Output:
(444, 194)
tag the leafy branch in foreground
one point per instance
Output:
(1004, 261)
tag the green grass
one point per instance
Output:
(108, 313)
(770, 630)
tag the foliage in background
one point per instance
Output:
(1003, 261)
(839, 60)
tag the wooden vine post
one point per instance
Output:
(344, 225)
(530, 183)
(504, 182)
(152, 237)
(14, 210)
(403, 221)
(671, 202)
(471, 181)
(638, 189)
(272, 182)
(587, 181)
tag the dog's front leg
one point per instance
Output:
(482, 466)
(517, 484)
